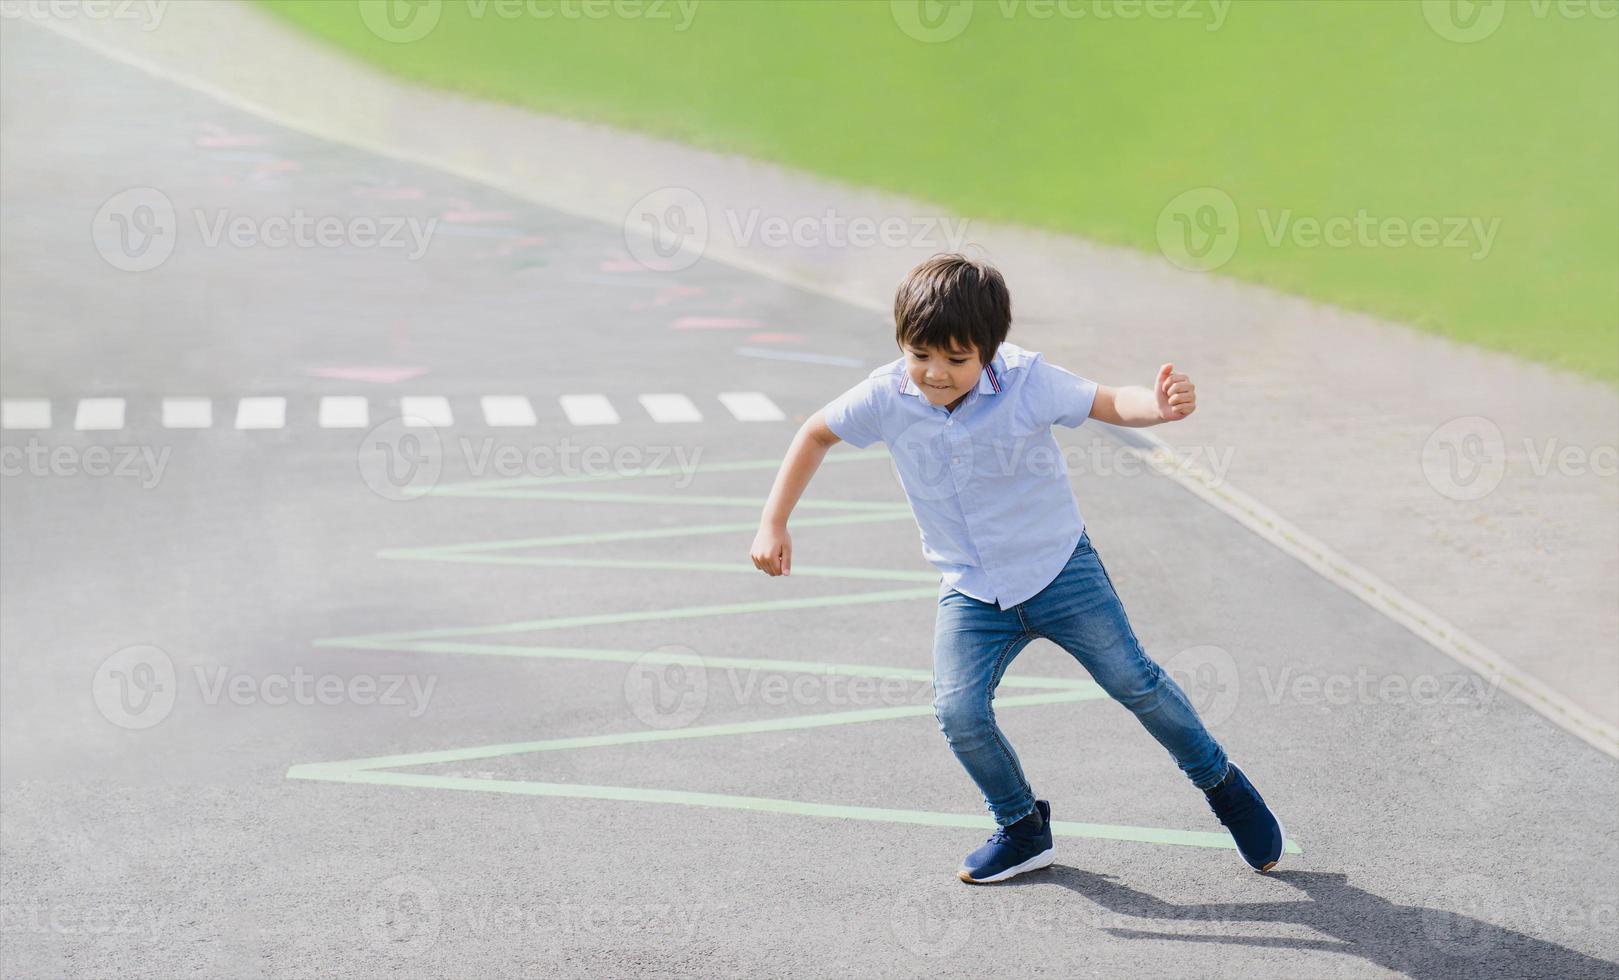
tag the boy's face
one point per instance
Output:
(944, 376)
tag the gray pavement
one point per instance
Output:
(700, 822)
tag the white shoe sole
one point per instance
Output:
(1041, 860)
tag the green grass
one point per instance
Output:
(1090, 126)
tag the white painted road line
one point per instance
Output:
(751, 406)
(25, 413)
(588, 409)
(261, 413)
(100, 414)
(344, 412)
(426, 410)
(188, 413)
(507, 410)
(670, 408)
(416, 411)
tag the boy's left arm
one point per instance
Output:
(1171, 398)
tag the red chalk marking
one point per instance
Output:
(714, 323)
(391, 193)
(463, 213)
(377, 374)
(226, 142)
(220, 137)
(527, 241)
(669, 294)
(775, 338)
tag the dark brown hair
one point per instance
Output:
(951, 301)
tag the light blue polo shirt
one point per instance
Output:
(987, 483)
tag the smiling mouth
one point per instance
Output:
(939, 387)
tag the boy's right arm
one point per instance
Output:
(772, 550)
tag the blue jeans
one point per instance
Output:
(1079, 610)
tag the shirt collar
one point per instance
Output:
(989, 380)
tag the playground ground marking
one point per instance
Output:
(385, 770)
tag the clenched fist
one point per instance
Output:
(1177, 396)
(773, 551)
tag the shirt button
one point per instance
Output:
(955, 459)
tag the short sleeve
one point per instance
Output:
(1059, 394)
(855, 416)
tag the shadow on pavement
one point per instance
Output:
(1420, 942)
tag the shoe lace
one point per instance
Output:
(1232, 807)
(1003, 834)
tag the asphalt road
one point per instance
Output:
(506, 697)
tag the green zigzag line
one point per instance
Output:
(383, 770)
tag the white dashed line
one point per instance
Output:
(416, 411)
(188, 413)
(261, 413)
(670, 408)
(424, 410)
(343, 412)
(751, 406)
(25, 413)
(588, 409)
(100, 414)
(507, 410)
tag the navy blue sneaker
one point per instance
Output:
(1259, 835)
(1013, 849)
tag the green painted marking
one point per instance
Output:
(642, 616)
(384, 770)
(474, 487)
(763, 804)
(694, 660)
(669, 565)
(777, 724)
(752, 503)
(648, 534)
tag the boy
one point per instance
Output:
(967, 418)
